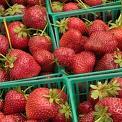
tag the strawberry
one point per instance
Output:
(70, 6)
(4, 45)
(63, 1)
(113, 106)
(35, 2)
(14, 102)
(57, 6)
(85, 107)
(93, 3)
(117, 32)
(41, 104)
(8, 118)
(39, 42)
(101, 42)
(64, 56)
(109, 61)
(1, 104)
(18, 1)
(74, 42)
(3, 75)
(36, 120)
(1, 115)
(45, 59)
(89, 117)
(21, 65)
(83, 62)
(18, 35)
(72, 23)
(37, 17)
(98, 25)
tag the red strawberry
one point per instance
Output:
(70, 6)
(89, 117)
(109, 61)
(39, 42)
(72, 23)
(14, 102)
(36, 120)
(101, 42)
(1, 115)
(3, 75)
(18, 35)
(117, 32)
(85, 107)
(22, 65)
(114, 107)
(35, 2)
(37, 17)
(98, 25)
(8, 118)
(93, 3)
(45, 59)
(64, 56)
(63, 1)
(74, 42)
(57, 6)
(40, 106)
(83, 62)
(18, 1)
(4, 45)
(1, 104)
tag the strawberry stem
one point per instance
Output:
(27, 89)
(7, 31)
(7, 3)
(44, 29)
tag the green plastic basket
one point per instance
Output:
(48, 31)
(50, 12)
(88, 14)
(78, 94)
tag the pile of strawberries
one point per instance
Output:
(94, 46)
(69, 5)
(104, 103)
(41, 105)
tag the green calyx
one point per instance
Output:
(14, 10)
(118, 58)
(101, 114)
(66, 110)
(21, 31)
(81, 4)
(57, 6)
(63, 25)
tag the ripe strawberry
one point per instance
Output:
(93, 3)
(21, 65)
(101, 42)
(45, 59)
(18, 1)
(85, 107)
(14, 102)
(1, 115)
(83, 62)
(70, 6)
(57, 6)
(3, 75)
(4, 45)
(72, 23)
(37, 17)
(8, 118)
(18, 35)
(74, 42)
(98, 25)
(35, 2)
(39, 42)
(114, 106)
(89, 117)
(41, 104)
(117, 32)
(109, 61)
(64, 56)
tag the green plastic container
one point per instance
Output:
(50, 12)
(49, 31)
(88, 14)
(79, 89)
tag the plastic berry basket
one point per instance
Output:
(50, 12)
(78, 94)
(103, 13)
(49, 31)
